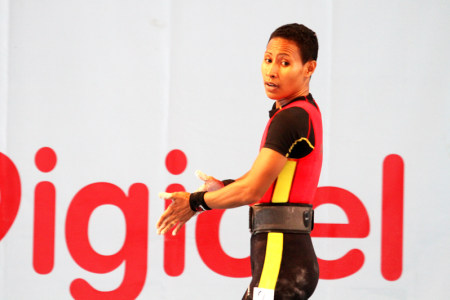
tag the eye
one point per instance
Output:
(285, 63)
(268, 60)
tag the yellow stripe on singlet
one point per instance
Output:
(272, 261)
(284, 183)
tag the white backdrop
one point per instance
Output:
(113, 86)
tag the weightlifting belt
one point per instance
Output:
(281, 217)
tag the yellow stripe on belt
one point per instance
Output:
(272, 261)
(284, 183)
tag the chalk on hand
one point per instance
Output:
(200, 175)
(165, 195)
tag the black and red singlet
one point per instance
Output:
(286, 262)
(295, 131)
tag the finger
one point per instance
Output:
(166, 214)
(163, 223)
(163, 228)
(202, 176)
(165, 195)
(175, 231)
(160, 222)
(166, 227)
(168, 222)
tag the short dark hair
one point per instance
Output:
(304, 38)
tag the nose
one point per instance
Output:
(272, 70)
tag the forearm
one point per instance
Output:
(250, 187)
(234, 195)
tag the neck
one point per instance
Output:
(282, 102)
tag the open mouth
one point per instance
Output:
(271, 84)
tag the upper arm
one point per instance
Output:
(242, 177)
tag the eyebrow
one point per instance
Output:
(279, 54)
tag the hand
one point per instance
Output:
(211, 184)
(178, 212)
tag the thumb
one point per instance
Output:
(165, 195)
(202, 176)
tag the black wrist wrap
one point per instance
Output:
(197, 201)
(227, 181)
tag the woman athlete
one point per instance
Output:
(281, 184)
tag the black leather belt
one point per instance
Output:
(281, 217)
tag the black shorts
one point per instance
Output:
(285, 262)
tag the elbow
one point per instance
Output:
(251, 195)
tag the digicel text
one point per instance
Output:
(135, 207)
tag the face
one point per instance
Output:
(285, 76)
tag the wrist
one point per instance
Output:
(197, 202)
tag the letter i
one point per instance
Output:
(44, 215)
(392, 218)
(174, 246)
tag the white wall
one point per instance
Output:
(113, 86)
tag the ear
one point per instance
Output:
(310, 67)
